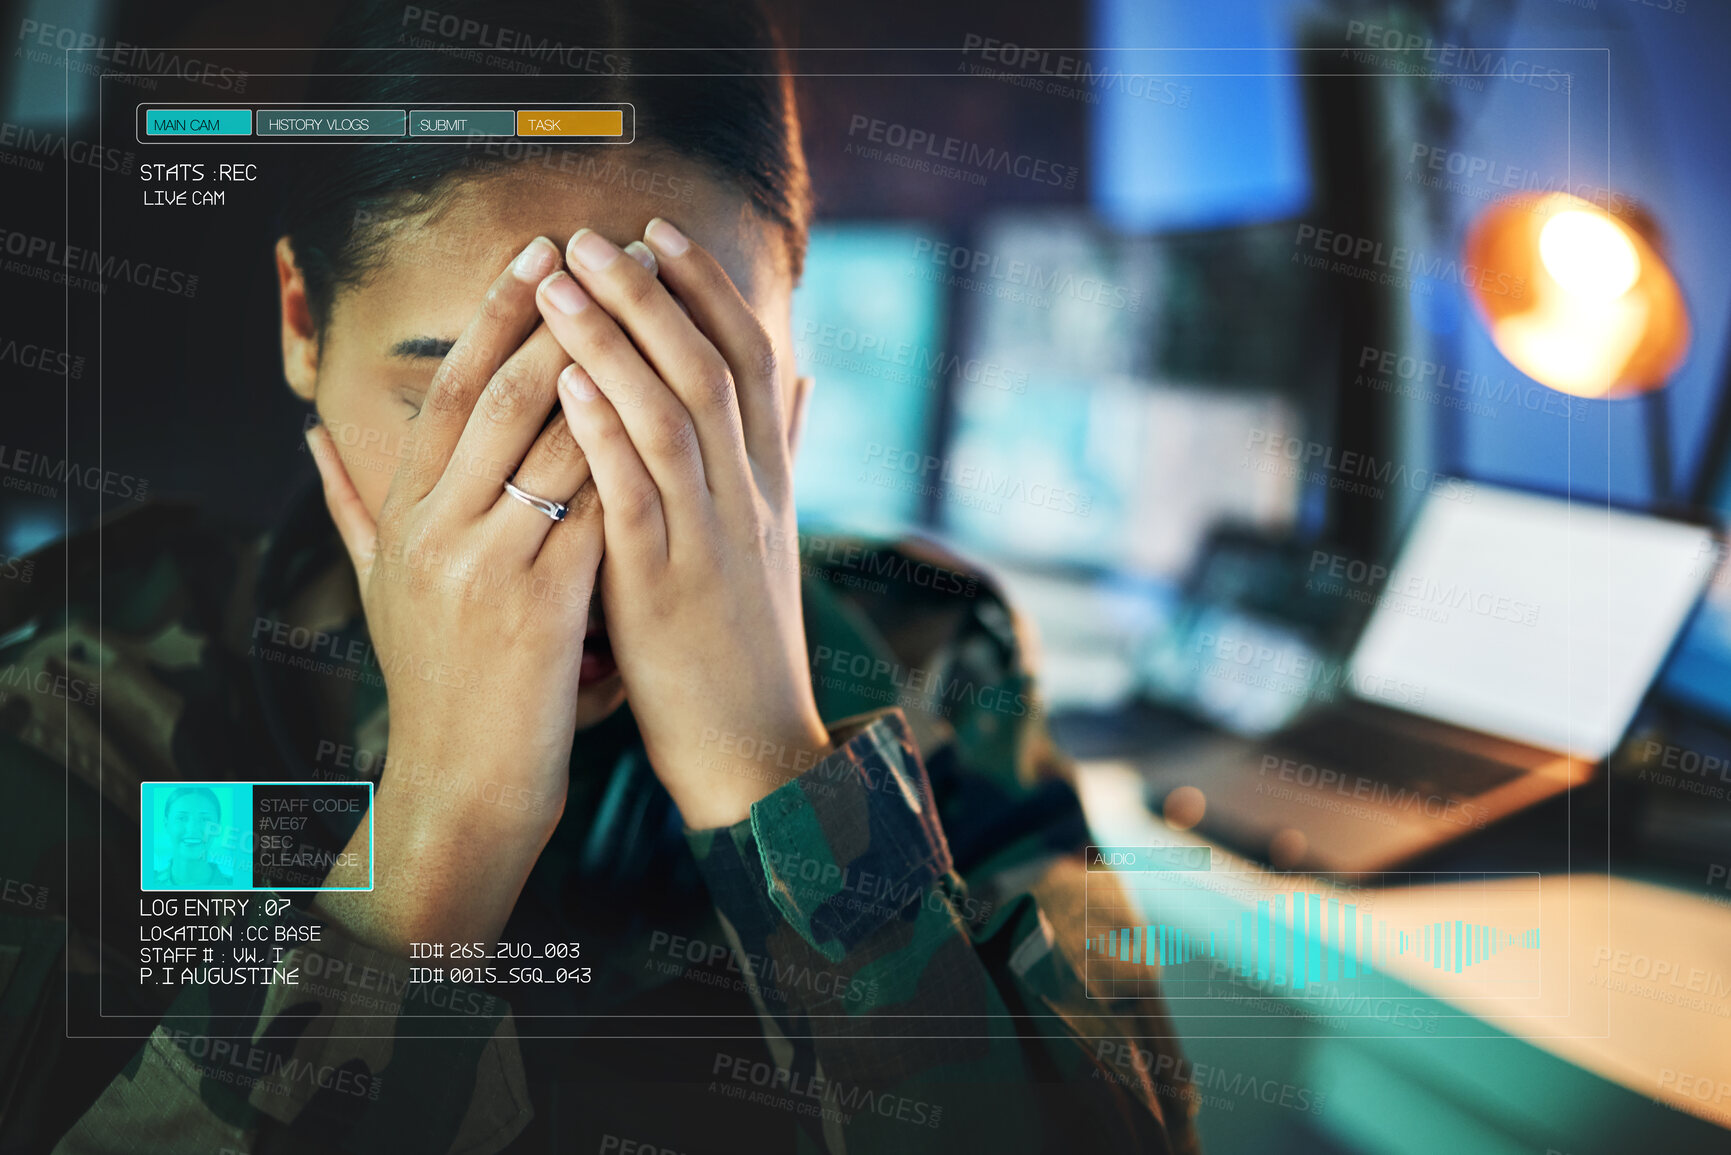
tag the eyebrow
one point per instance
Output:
(414, 348)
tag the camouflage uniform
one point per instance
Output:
(884, 956)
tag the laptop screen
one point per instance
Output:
(1531, 618)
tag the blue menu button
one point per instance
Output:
(198, 122)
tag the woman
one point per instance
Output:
(663, 888)
(191, 818)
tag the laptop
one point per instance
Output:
(1505, 657)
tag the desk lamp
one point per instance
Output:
(1587, 306)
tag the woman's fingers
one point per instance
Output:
(730, 325)
(508, 416)
(666, 440)
(631, 503)
(353, 522)
(555, 469)
(571, 554)
(698, 373)
(505, 318)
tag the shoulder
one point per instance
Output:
(923, 598)
(118, 646)
(912, 625)
(135, 569)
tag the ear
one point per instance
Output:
(300, 339)
(802, 387)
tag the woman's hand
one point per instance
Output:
(688, 441)
(476, 604)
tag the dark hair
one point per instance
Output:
(727, 106)
(193, 791)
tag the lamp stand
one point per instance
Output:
(1658, 447)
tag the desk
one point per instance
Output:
(1624, 1045)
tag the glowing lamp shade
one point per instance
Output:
(1575, 298)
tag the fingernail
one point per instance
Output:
(665, 237)
(643, 255)
(592, 250)
(577, 383)
(564, 294)
(536, 261)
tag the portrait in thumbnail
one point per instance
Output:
(195, 836)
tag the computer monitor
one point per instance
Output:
(1532, 618)
(1199, 138)
(870, 331)
(1069, 445)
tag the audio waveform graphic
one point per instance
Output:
(1164, 922)
(1323, 940)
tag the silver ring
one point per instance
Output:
(553, 509)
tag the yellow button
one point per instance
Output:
(571, 122)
